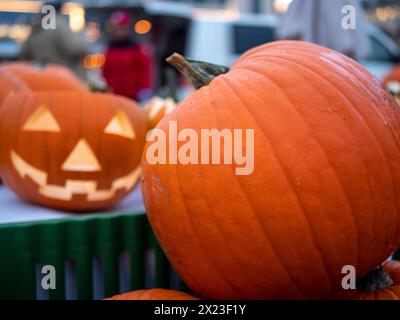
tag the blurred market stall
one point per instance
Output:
(186, 26)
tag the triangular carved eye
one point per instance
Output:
(120, 125)
(41, 120)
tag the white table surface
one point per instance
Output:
(13, 209)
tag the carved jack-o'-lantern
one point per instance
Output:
(73, 151)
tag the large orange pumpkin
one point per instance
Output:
(48, 78)
(153, 294)
(324, 193)
(71, 150)
(381, 284)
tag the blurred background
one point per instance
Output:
(216, 31)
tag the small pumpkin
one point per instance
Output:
(392, 82)
(153, 294)
(392, 76)
(157, 108)
(48, 78)
(74, 151)
(324, 191)
(382, 283)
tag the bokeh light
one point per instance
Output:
(94, 61)
(281, 6)
(143, 26)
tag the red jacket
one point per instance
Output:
(127, 69)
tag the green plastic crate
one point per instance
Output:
(80, 242)
(73, 246)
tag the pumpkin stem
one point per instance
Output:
(198, 73)
(375, 280)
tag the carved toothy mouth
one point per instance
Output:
(72, 187)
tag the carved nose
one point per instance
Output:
(81, 159)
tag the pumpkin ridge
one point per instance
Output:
(283, 50)
(290, 184)
(395, 138)
(212, 107)
(200, 245)
(341, 183)
(394, 270)
(379, 112)
(196, 234)
(383, 153)
(261, 228)
(355, 135)
(207, 201)
(3, 111)
(162, 222)
(254, 211)
(393, 118)
(48, 154)
(339, 180)
(26, 98)
(334, 86)
(268, 238)
(359, 70)
(362, 117)
(392, 293)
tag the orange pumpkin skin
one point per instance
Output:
(390, 293)
(49, 78)
(153, 294)
(157, 108)
(325, 188)
(10, 83)
(64, 150)
(393, 75)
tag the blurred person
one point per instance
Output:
(59, 45)
(320, 22)
(128, 65)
